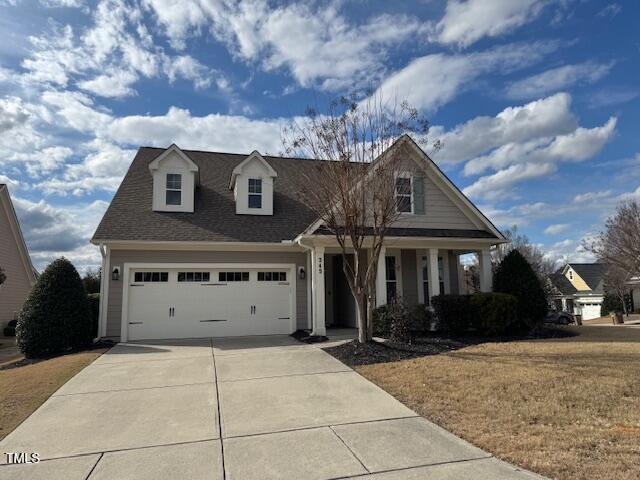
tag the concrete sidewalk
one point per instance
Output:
(236, 408)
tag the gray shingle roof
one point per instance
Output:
(562, 283)
(131, 218)
(592, 274)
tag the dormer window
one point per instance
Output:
(255, 193)
(403, 195)
(174, 189)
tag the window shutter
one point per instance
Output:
(418, 195)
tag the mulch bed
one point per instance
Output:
(354, 353)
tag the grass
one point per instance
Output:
(23, 389)
(567, 408)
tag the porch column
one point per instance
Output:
(381, 279)
(486, 276)
(317, 287)
(434, 276)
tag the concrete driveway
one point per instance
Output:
(235, 409)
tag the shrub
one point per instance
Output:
(454, 312)
(515, 276)
(420, 318)
(495, 312)
(10, 329)
(381, 321)
(399, 323)
(56, 315)
(94, 308)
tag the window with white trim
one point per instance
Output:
(255, 193)
(233, 276)
(174, 189)
(403, 195)
(193, 276)
(272, 276)
(425, 278)
(392, 279)
(151, 277)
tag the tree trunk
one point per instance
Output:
(361, 313)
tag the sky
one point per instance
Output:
(536, 102)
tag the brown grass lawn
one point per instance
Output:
(568, 408)
(24, 389)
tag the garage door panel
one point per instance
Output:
(244, 306)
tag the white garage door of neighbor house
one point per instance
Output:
(590, 310)
(191, 303)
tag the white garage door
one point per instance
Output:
(191, 303)
(590, 310)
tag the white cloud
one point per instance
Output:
(61, 3)
(610, 10)
(589, 196)
(542, 118)
(116, 84)
(611, 96)
(556, 228)
(317, 44)
(52, 231)
(466, 22)
(188, 68)
(499, 184)
(430, 81)
(558, 78)
(577, 146)
(569, 250)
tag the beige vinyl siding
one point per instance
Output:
(17, 286)
(120, 257)
(439, 209)
(577, 281)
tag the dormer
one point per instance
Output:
(175, 178)
(252, 185)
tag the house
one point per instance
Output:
(14, 260)
(578, 288)
(198, 244)
(634, 294)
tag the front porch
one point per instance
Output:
(412, 275)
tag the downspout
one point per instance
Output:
(309, 283)
(101, 315)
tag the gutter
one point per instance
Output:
(101, 318)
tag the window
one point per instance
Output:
(255, 193)
(272, 276)
(392, 279)
(570, 275)
(233, 276)
(193, 276)
(174, 189)
(425, 278)
(151, 277)
(403, 195)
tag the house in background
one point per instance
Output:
(14, 260)
(634, 293)
(204, 244)
(578, 288)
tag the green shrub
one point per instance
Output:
(56, 316)
(10, 329)
(399, 323)
(454, 312)
(381, 321)
(420, 318)
(494, 312)
(515, 276)
(94, 308)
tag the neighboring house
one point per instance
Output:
(14, 260)
(579, 289)
(199, 244)
(634, 287)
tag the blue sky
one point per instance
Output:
(536, 101)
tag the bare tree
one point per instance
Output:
(616, 283)
(353, 192)
(541, 264)
(619, 244)
(3, 277)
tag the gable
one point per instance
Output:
(441, 207)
